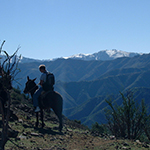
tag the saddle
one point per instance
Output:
(46, 98)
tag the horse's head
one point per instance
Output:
(30, 86)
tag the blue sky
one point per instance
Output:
(48, 29)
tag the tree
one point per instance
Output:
(129, 119)
(8, 71)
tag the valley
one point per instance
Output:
(85, 85)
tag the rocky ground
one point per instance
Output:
(74, 136)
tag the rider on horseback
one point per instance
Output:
(43, 80)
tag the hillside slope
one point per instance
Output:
(23, 134)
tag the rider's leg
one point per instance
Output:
(36, 96)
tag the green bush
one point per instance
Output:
(98, 128)
(128, 120)
(77, 121)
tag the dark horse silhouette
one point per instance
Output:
(49, 100)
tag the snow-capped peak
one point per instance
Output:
(80, 56)
(103, 55)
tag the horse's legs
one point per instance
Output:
(43, 124)
(60, 121)
(37, 119)
(59, 115)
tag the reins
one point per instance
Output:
(29, 91)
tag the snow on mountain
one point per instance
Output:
(80, 56)
(103, 55)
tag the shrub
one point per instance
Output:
(77, 121)
(129, 119)
(97, 128)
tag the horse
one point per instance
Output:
(51, 99)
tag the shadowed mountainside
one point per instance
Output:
(83, 84)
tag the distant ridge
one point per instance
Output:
(101, 55)
(85, 85)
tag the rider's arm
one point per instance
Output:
(42, 79)
(41, 82)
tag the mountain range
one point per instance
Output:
(101, 55)
(85, 85)
(104, 55)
